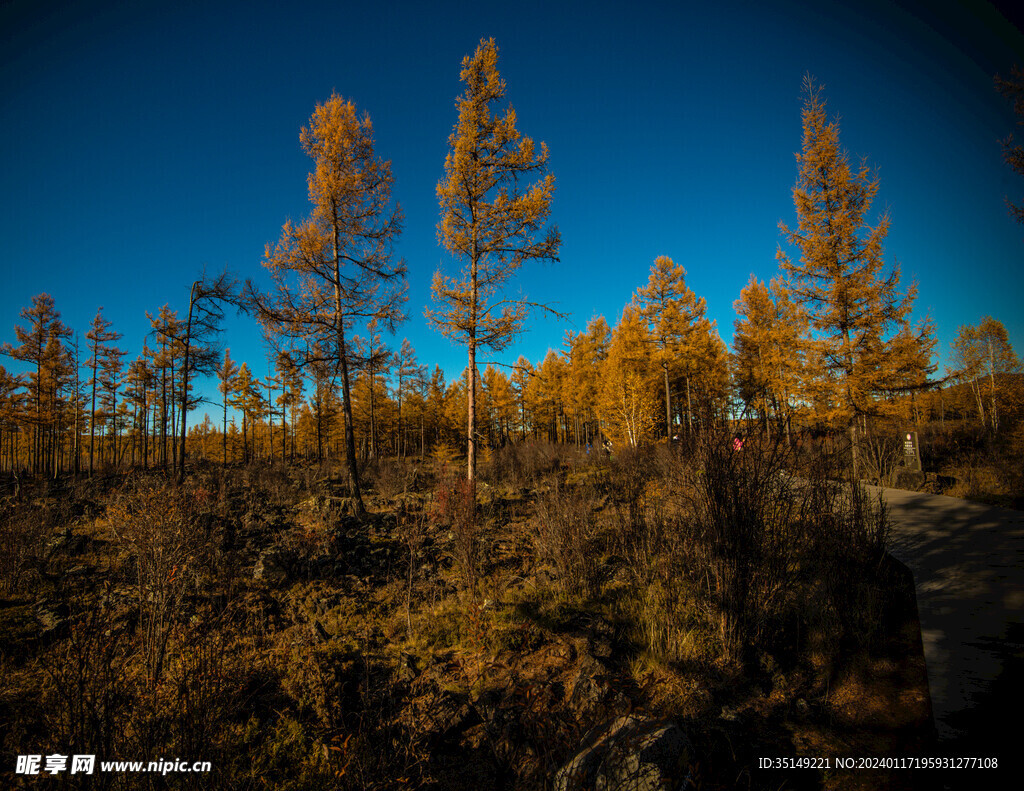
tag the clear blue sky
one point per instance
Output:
(142, 141)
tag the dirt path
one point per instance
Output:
(968, 566)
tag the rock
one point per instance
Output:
(905, 478)
(600, 640)
(53, 618)
(634, 753)
(589, 686)
(50, 614)
(448, 716)
(272, 567)
(67, 543)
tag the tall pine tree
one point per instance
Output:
(491, 218)
(854, 302)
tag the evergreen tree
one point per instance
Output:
(769, 344)
(489, 218)
(855, 307)
(342, 255)
(628, 393)
(227, 373)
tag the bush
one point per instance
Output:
(24, 533)
(766, 539)
(390, 477)
(454, 509)
(527, 463)
(565, 536)
(161, 526)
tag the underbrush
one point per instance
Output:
(977, 465)
(457, 636)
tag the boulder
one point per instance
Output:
(634, 752)
(272, 567)
(906, 478)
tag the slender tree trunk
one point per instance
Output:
(174, 418)
(319, 425)
(163, 417)
(401, 437)
(37, 436)
(668, 404)
(992, 382)
(224, 434)
(976, 389)
(184, 379)
(270, 421)
(689, 408)
(350, 442)
(374, 428)
(113, 429)
(471, 394)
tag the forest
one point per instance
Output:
(352, 573)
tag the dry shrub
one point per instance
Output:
(391, 476)
(24, 533)
(640, 519)
(454, 509)
(527, 463)
(271, 482)
(767, 541)
(85, 695)
(565, 536)
(163, 528)
(881, 453)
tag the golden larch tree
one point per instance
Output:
(676, 319)
(853, 301)
(769, 349)
(628, 398)
(342, 256)
(98, 336)
(491, 219)
(36, 347)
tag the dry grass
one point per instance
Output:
(445, 640)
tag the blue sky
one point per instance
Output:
(142, 141)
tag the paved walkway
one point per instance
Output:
(968, 566)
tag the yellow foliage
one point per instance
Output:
(628, 401)
(490, 217)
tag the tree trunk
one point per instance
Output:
(668, 405)
(346, 397)
(992, 382)
(976, 389)
(184, 379)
